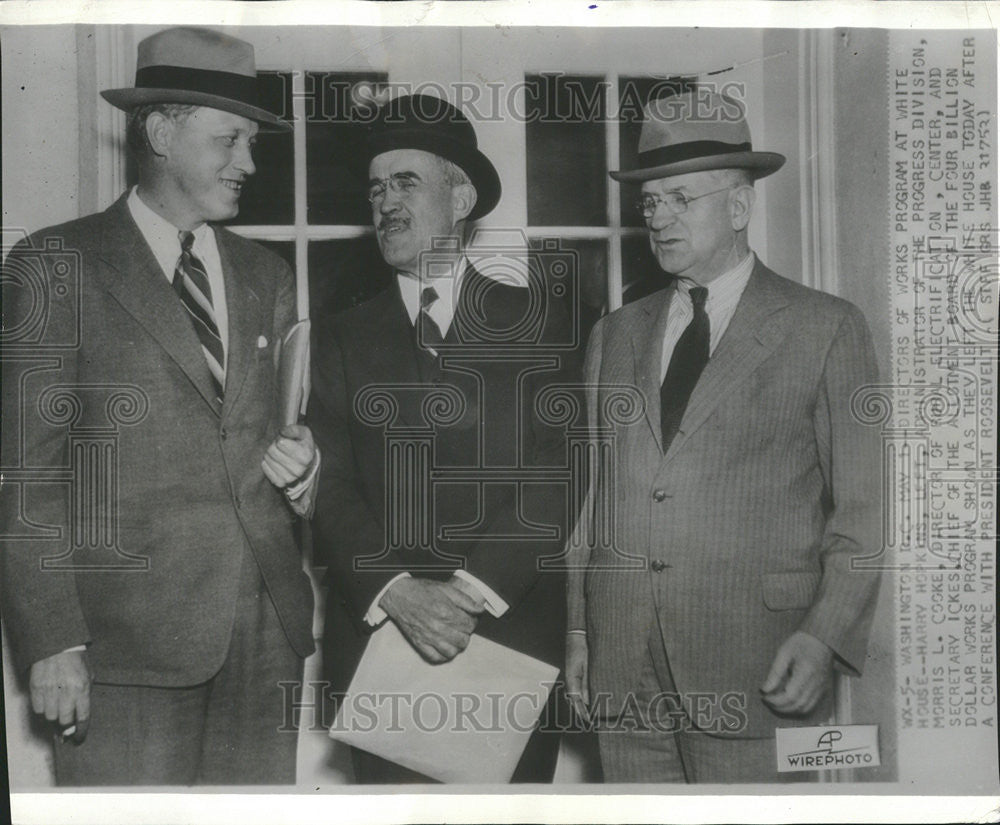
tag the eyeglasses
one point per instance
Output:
(401, 183)
(676, 202)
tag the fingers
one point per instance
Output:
(278, 470)
(82, 726)
(289, 457)
(779, 669)
(439, 644)
(804, 688)
(577, 693)
(292, 450)
(463, 594)
(577, 689)
(60, 690)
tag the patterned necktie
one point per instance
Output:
(686, 363)
(429, 332)
(191, 284)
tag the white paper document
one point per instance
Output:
(467, 720)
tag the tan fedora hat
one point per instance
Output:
(198, 66)
(695, 132)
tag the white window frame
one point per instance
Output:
(107, 56)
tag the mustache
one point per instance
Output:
(392, 222)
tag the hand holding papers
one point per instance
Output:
(467, 720)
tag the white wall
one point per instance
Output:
(40, 126)
(40, 187)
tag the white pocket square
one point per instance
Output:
(261, 342)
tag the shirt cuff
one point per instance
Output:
(495, 605)
(76, 649)
(376, 615)
(295, 491)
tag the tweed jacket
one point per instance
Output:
(152, 558)
(744, 531)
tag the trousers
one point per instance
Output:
(231, 730)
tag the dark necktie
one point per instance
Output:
(191, 284)
(429, 332)
(686, 363)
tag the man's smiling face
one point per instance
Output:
(207, 162)
(407, 220)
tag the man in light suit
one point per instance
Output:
(726, 598)
(443, 329)
(160, 610)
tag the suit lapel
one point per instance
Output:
(387, 346)
(756, 328)
(647, 354)
(134, 279)
(244, 307)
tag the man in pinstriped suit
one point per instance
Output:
(726, 599)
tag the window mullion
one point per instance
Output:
(612, 134)
(299, 171)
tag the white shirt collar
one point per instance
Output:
(442, 311)
(162, 236)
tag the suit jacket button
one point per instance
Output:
(659, 495)
(658, 565)
(223, 434)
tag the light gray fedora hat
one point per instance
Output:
(197, 66)
(695, 132)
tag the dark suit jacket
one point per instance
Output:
(191, 495)
(495, 386)
(764, 497)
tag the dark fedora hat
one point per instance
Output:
(434, 125)
(197, 66)
(695, 132)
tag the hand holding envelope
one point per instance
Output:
(467, 720)
(436, 617)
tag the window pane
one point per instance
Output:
(633, 94)
(335, 130)
(641, 274)
(586, 303)
(566, 163)
(269, 195)
(343, 273)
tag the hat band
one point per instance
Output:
(229, 85)
(664, 155)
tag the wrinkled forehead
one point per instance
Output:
(425, 164)
(692, 182)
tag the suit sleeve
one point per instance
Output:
(344, 527)
(849, 451)
(513, 568)
(578, 547)
(42, 612)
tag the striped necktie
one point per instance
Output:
(686, 364)
(191, 284)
